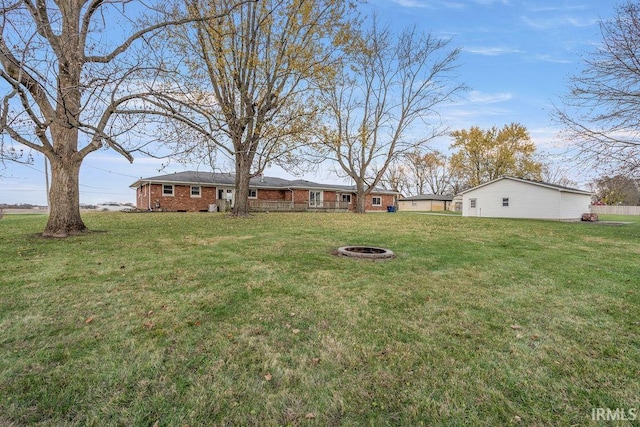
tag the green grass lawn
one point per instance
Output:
(203, 319)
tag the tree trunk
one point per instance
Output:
(243, 173)
(64, 196)
(361, 198)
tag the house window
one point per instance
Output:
(195, 191)
(505, 201)
(414, 203)
(315, 199)
(253, 193)
(346, 198)
(167, 190)
(472, 203)
(376, 201)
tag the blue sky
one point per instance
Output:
(516, 58)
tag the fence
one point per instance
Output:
(615, 210)
(284, 206)
(276, 206)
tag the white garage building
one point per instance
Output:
(510, 197)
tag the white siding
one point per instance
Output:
(573, 205)
(526, 200)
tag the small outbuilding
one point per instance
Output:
(511, 197)
(425, 202)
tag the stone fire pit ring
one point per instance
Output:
(365, 252)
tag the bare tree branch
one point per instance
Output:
(601, 113)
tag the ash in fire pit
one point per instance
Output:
(366, 252)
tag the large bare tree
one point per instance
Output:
(248, 96)
(72, 74)
(384, 102)
(601, 113)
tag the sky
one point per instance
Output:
(516, 59)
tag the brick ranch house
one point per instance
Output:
(206, 191)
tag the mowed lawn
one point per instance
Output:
(202, 319)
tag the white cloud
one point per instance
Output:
(554, 8)
(477, 97)
(410, 3)
(553, 59)
(557, 22)
(491, 2)
(491, 51)
(422, 4)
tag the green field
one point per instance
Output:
(203, 319)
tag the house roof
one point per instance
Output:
(439, 197)
(228, 179)
(557, 187)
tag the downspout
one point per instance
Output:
(149, 195)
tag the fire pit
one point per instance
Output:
(365, 252)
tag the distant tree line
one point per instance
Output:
(617, 190)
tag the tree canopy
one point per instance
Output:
(484, 155)
(420, 173)
(617, 190)
(248, 93)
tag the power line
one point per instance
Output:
(111, 172)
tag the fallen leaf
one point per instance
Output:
(156, 424)
(89, 320)
(519, 336)
(516, 326)
(310, 416)
(535, 337)
(148, 325)
(517, 419)
(315, 360)
(268, 376)
(149, 313)
(295, 331)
